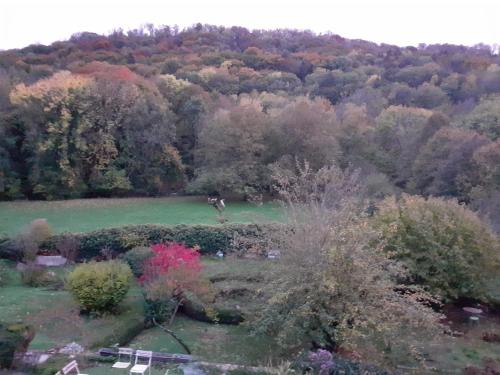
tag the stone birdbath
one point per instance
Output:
(473, 313)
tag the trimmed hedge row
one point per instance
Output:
(210, 239)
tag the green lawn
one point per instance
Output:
(83, 215)
(210, 342)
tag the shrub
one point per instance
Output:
(444, 245)
(40, 230)
(35, 275)
(9, 249)
(67, 246)
(13, 338)
(27, 247)
(29, 241)
(100, 287)
(136, 258)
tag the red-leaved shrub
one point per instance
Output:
(169, 257)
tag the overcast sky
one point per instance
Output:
(401, 22)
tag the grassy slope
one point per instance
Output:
(84, 215)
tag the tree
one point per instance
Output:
(169, 277)
(444, 166)
(335, 85)
(429, 96)
(485, 193)
(331, 288)
(484, 118)
(95, 133)
(49, 111)
(231, 151)
(304, 129)
(398, 130)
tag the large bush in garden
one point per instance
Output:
(100, 287)
(444, 245)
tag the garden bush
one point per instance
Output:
(67, 246)
(13, 338)
(32, 237)
(10, 250)
(444, 245)
(136, 258)
(100, 287)
(35, 275)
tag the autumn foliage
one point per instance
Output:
(173, 273)
(170, 258)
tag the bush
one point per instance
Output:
(67, 246)
(100, 287)
(29, 241)
(9, 249)
(40, 230)
(35, 275)
(136, 259)
(159, 310)
(444, 245)
(13, 338)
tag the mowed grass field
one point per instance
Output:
(83, 215)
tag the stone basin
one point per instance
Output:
(51, 260)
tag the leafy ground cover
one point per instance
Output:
(83, 215)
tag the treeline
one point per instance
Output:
(213, 110)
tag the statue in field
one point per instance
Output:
(217, 203)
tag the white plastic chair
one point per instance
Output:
(142, 356)
(124, 358)
(70, 367)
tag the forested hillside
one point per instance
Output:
(212, 109)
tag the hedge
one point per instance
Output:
(210, 239)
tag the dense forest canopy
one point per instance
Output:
(211, 109)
